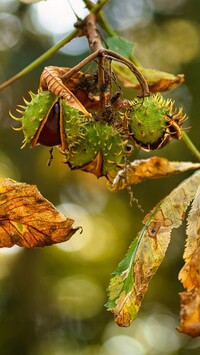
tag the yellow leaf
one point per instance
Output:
(152, 168)
(27, 219)
(157, 81)
(190, 274)
(131, 279)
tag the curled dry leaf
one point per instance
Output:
(152, 168)
(190, 274)
(83, 86)
(158, 81)
(51, 80)
(27, 219)
(131, 279)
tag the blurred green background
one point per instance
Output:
(52, 300)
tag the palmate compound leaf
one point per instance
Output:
(190, 274)
(131, 279)
(27, 219)
(152, 168)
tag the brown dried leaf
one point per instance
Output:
(51, 80)
(84, 86)
(158, 81)
(190, 274)
(152, 168)
(27, 219)
(189, 315)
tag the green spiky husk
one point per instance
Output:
(35, 112)
(148, 120)
(86, 138)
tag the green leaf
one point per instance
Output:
(121, 280)
(121, 46)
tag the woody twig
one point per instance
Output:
(101, 53)
(95, 44)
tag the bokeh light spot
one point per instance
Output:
(56, 18)
(7, 168)
(165, 6)
(163, 326)
(8, 5)
(123, 344)
(78, 241)
(10, 31)
(168, 46)
(79, 297)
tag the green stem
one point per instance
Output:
(111, 32)
(135, 61)
(190, 145)
(102, 19)
(106, 26)
(40, 59)
(93, 8)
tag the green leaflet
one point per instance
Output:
(158, 81)
(121, 46)
(122, 280)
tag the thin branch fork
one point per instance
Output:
(109, 54)
(101, 54)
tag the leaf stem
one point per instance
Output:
(93, 8)
(40, 59)
(106, 26)
(190, 145)
(80, 65)
(109, 30)
(143, 83)
(109, 54)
